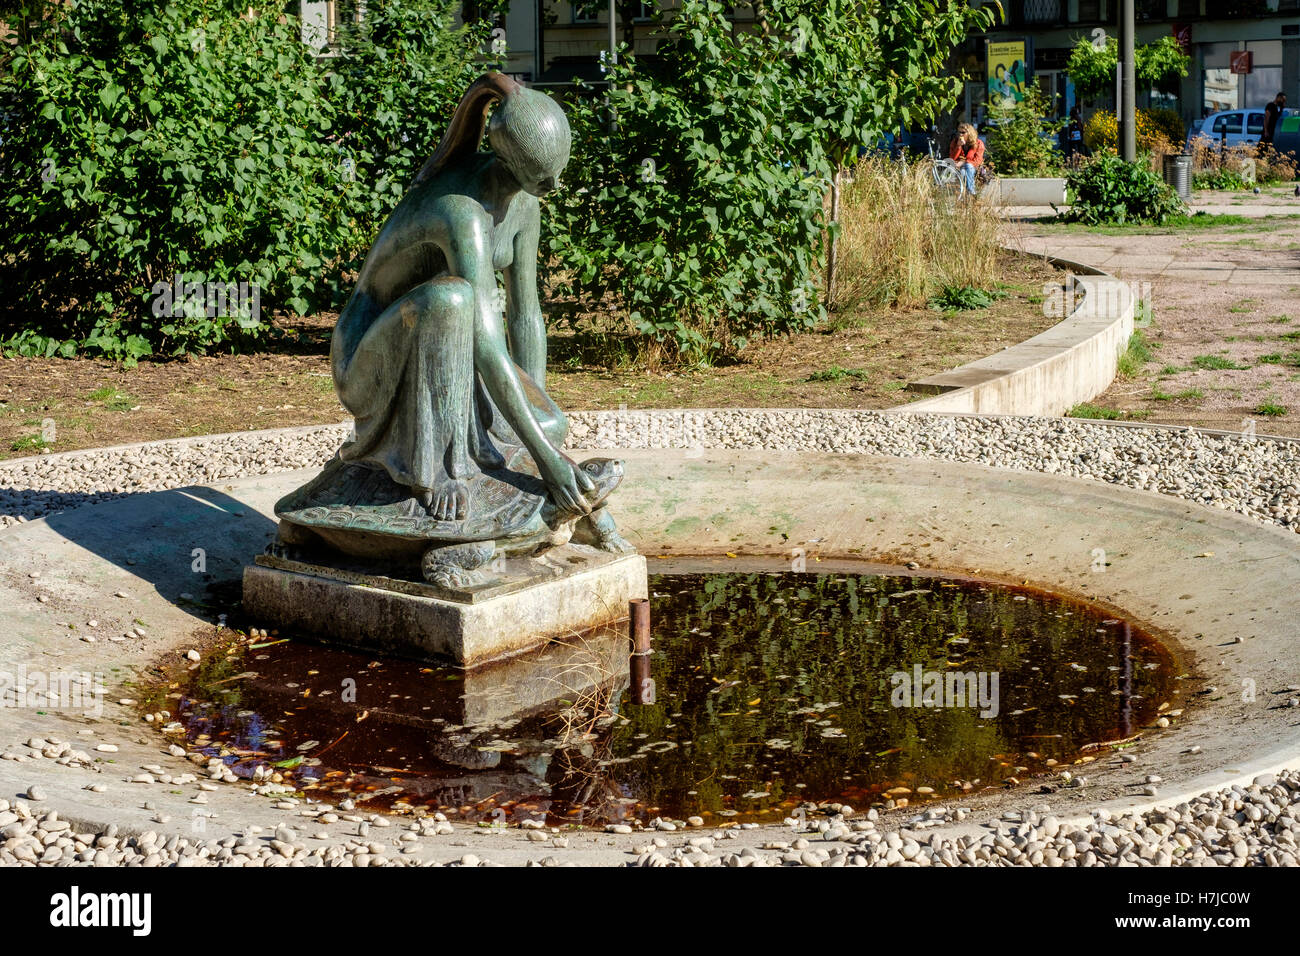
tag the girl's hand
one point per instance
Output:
(568, 485)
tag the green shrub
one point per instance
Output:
(690, 215)
(406, 67)
(193, 141)
(1111, 191)
(963, 298)
(150, 142)
(1021, 141)
(1218, 179)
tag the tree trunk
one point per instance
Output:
(835, 240)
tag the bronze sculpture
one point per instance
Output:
(457, 455)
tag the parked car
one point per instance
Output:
(1230, 127)
(1286, 137)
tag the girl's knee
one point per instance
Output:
(439, 304)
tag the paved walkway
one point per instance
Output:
(1224, 299)
(1196, 255)
(1246, 205)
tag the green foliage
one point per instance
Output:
(1216, 362)
(1270, 409)
(1089, 410)
(697, 206)
(1161, 60)
(1093, 69)
(962, 298)
(202, 139)
(690, 213)
(837, 374)
(406, 67)
(151, 142)
(1111, 191)
(1021, 140)
(1228, 179)
(1134, 357)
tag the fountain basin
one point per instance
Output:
(1216, 589)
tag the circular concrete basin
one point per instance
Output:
(1221, 591)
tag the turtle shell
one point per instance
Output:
(350, 496)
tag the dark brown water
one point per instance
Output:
(764, 691)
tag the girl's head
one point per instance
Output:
(530, 134)
(966, 133)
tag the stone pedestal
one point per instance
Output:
(525, 603)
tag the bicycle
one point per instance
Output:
(948, 176)
(945, 172)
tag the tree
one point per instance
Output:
(868, 68)
(1092, 68)
(403, 70)
(700, 210)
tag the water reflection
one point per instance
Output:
(764, 691)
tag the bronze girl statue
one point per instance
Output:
(456, 439)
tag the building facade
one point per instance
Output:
(1243, 52)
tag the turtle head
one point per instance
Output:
(605, 474)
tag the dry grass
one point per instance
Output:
(1269, 164)
(902, 241)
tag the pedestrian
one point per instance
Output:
(1074, 134)
(967, 151)
(1272, 113)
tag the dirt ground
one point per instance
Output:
(1224, 342)
(862, 360)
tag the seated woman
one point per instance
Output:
(967, 151)
(422, 355)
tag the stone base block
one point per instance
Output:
(375, 613)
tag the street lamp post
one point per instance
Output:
(613, 35)
(1127, 107)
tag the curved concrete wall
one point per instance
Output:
(1072, 362)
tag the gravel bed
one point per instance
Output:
(1255, 825)
(1257, 477)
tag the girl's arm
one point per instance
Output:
(468, 248)
(524, 321)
